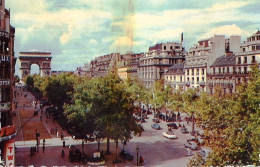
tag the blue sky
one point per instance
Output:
(76, 31)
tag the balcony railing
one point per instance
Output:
(4, 34)
(5, 106)
(187, 83)
(7, 133)
(4, 82)
(202, 83)
(224, 85)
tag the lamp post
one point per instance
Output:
(137, 151)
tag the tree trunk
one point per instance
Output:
(108, 150)
(98, 144)
(116, 148)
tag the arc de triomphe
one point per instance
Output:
(42, 59)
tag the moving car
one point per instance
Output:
(172, 125)
(192, 145)
(156, 126)
(169, 135)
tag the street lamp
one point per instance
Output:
(137, 150)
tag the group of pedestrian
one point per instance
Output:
(54, 131)
(32, 150)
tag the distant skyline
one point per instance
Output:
(77, 31)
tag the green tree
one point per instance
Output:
(107, 100)
(232, 125)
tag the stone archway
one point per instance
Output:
(43, 59)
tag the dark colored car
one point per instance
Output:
(44, 102)
(173, 125)
(156, 126)
(125, 154)
(184, 130)
(156, 120)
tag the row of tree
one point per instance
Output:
(105, 106)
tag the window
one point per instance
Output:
(219, 70)
(188, 72)
(202, 71)
(223, 69)
(174, 78)
(253, 59)
(245, 59)
(239, 60)
(198, 71)
(234, 69)
(244, 49)
(181, 78)
(188, 78)
(164, 48)
(171, 47)
(203, 79)
(245, 69)
(253, 48)
(198, 79)
(192, 72)
(214, 71)
(227, 69)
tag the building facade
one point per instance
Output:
(175, 77)
(7, 64)
(128, 65)
(249, 55)
(222, 74)
(203, 55)
(158, 59)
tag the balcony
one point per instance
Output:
(7, 133)
(4, 83)
(202, 83)
(187, 83)
(5, 106)
(4, 34)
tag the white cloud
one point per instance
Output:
(226, 30)
(93, 41)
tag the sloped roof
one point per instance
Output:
(225, 61)
(177, 66)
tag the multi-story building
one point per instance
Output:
(174, 77)
(159, 58)
(7, 64)
(203, 55)
(222, 74)
(249, 55)
(128, 65)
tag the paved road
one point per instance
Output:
(155, 149)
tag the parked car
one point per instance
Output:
(156, 126)
(125, 154)
(173, 125)
(184, 130)
(192, 145)
(204, 152)
(156, 120)
(169, 135)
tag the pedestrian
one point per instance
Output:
(62, 153)
(51, 131)
(43, 148)
(56, 130)
(141, 161)
(63, 143)
(57, 134)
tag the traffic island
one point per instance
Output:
(96, 159)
